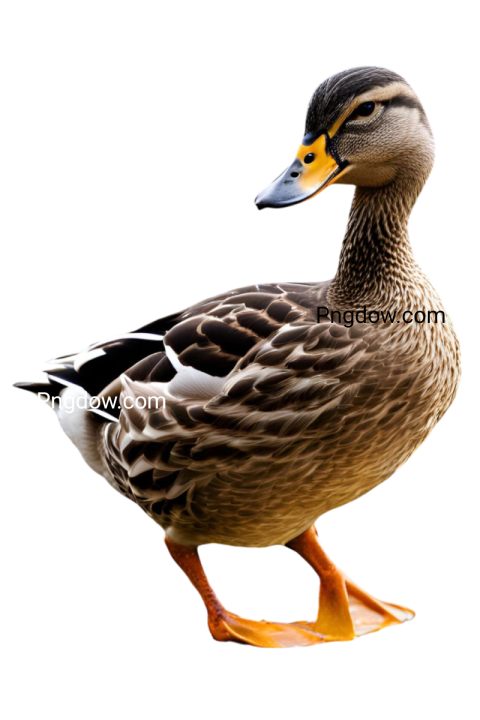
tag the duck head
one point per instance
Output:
(364, 127)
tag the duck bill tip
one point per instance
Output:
(313, 170)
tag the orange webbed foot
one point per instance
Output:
(369, 614)
(345, 611)
(230, 627)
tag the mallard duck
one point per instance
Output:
(244, 418)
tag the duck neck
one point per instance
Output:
(376, 262)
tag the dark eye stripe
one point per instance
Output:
(407, 101)
(397, 101)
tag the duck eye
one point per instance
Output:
(365, 109)
(310, 157)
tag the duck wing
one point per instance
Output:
(102, 363)
(239, 377)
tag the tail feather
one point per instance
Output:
(51, 388)
(97, 367)
(61, 377)
(57, 379)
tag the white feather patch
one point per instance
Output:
(192, 383)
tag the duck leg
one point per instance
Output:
(226, 626)
(345, 611)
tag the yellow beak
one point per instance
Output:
(312, 171)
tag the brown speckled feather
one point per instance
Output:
(288, 434)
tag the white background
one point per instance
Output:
(134, 139)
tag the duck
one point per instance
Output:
(244, 418)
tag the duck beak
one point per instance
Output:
(312, 170)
